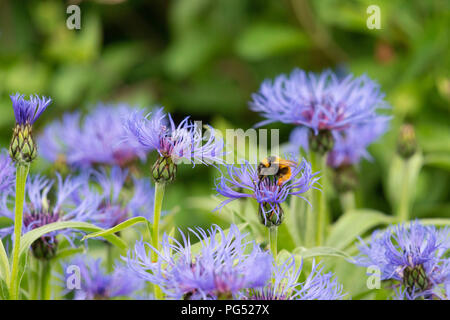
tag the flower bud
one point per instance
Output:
(271, 215)
(45, 247)
(345, 178)
(23, 148)
(406, 143)
(322, 142)
(415, 278)
(164, 170)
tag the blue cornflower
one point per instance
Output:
(23, 148)
(7, 172)
(38, 211)
(185, 142)
(28, 111)
(318, 101)
(224, 265)
(114, 207)
(60, 138)
(243, 182)
(414, 256)
(350, 145)
(285, 285)
(97, 139)
(96, 284)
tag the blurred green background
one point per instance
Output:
(204, 58)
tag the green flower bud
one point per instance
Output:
(406, 143)
(345, 178)
(44, 248)
(23, 148)
(271, 215)
(415, 278)
(164, 170)
(322, 142)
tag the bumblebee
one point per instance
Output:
(277, 167)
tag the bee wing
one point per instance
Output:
(289, 163)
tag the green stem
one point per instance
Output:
(45, 279)
(297, 216)
(109, 257)
(273, 235)
(5, 262)
(159, 196)
(21, 178)
(403, 205)
(318, 164)
(34, 278)
(310, 225)
(347, 201)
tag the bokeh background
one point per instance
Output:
(204, 58)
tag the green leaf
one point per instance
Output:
(306, 253)
(439, 160)
(397, 171)
(353, 224)
(64, 253)
(29, 237)
(4, 263)
(121, 226)
(4, 292)
(439, 222)
(262, 40)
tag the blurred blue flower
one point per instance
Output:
(223, 265)
(115, 207)
(243, 182)
(285, 285)
(28, 111)
(38, 211)
(97, 284)
(318, 101)
(98, 139)
(157, 131)
(350, 145)
(414, 256)
(7, 172)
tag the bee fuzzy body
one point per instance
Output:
(276, 167)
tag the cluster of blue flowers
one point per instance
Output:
(226, 266)
(414, 257)
(346, 107)
(335, 116)
(97, 140)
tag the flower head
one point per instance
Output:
(244, 182)
(351, 144)
(114, 208)
(286, 286)
(23, 148)
(28, 111)
(413, 256)
(97, 139)
(97, 284)
(157, 131)
(319, 102)
(39, 211)
(223, 265)
(7, 172)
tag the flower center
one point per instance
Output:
(45, 247)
